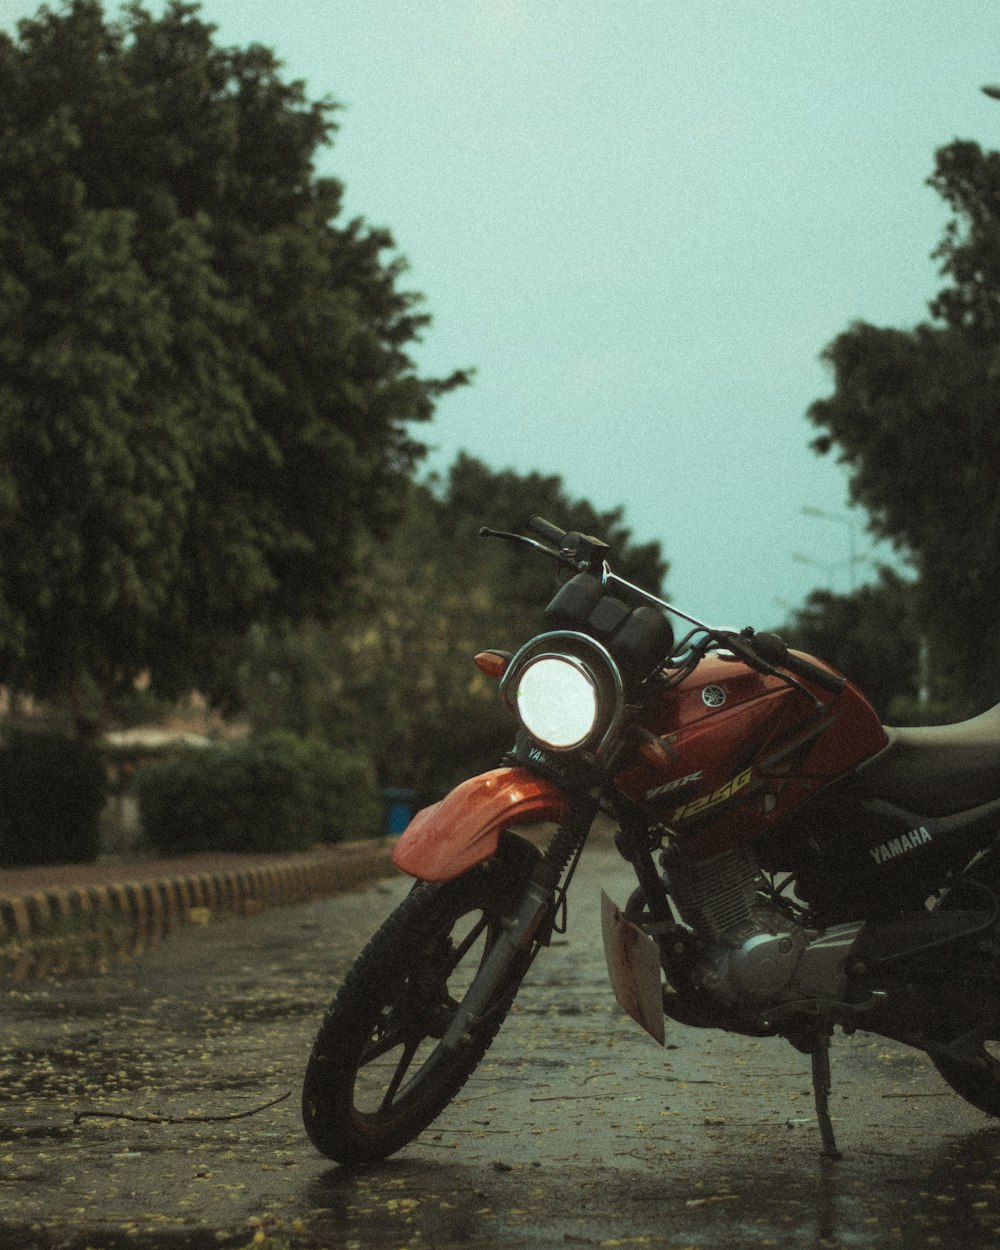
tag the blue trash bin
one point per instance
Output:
(399, 810)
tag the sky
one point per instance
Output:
(641, 222)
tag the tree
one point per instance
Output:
(206, 398)
(915, 414)
(871, 636)
(397, 676)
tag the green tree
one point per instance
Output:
(398, 676)
(870, 635)
(915, 415)
(206, 398)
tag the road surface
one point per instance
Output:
(577, 1130)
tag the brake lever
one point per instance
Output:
(521, 540)
(582, 556)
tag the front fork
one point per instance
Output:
(537, 907)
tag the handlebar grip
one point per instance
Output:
(545, 529)
(774, 650)
(812, 672)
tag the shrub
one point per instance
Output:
(347, 793)
(274, 792)
(52, 790)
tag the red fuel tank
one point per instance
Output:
(741, 750)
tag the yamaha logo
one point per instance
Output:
(713, 696)
(908, 841)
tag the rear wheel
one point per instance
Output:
(378, 1074)
(976, 1079)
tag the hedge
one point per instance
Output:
(52, 790)
(271, 793)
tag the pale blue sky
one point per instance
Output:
(641, 221)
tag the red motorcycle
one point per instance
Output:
(798, 865)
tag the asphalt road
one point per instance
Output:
(578, 1130)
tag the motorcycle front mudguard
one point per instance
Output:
(463, 829)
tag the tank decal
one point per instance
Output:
(672, 786)
(726, 791)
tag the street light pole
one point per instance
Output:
(852, 559)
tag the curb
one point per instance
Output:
(166, 901)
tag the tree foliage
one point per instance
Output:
(397, 675)
(869, 635)
(271, 793)
(205, 392)
(915, 414)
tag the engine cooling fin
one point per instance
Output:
(715, 896)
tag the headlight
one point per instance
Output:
(557, 702)
(566, 691)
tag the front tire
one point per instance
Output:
(377, 1075)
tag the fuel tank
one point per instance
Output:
(737, 751)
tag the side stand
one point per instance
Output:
(820, 1055)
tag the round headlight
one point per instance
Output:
(557, 702)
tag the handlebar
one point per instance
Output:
(546, 530)
(766, 652)
(774, 650)
(578, 551)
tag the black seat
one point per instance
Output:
(938, 770)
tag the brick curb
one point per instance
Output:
(167, 901)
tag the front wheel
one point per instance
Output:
(377, 1075)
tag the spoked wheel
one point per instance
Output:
(378, 1074)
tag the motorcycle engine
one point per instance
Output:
(752, 954)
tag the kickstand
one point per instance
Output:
(820, 1055)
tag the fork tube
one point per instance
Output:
(517, 934)
(570, 836)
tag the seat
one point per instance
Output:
(937, 770)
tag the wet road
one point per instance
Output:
(576, 1130)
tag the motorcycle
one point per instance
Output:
(799, 866)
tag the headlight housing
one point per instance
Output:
(565, 690)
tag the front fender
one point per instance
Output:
(450, 837)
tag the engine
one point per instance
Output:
(754, 955)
